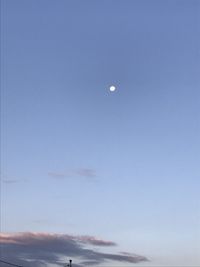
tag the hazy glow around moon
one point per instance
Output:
(112, 88)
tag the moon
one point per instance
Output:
(112, 88)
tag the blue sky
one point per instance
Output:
(80, 160)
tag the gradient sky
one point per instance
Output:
(80, 160)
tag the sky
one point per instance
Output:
(104, 178)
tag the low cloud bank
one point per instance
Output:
(41, 249)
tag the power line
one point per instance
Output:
(9, 263)
(12, 264)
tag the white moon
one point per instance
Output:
(112, 88)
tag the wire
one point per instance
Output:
(12, 264)
(9, 263)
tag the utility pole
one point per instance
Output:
(69, 264)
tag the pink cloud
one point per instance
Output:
(48, 248)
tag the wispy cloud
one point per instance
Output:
(13, 181)
(41, 249)
(80, 172)
(10, 180)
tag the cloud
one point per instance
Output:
(81, 172)
(58, 175)
(41, 249)
(86, 172)
(94, 241)
(10, 181)
(14, 181)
